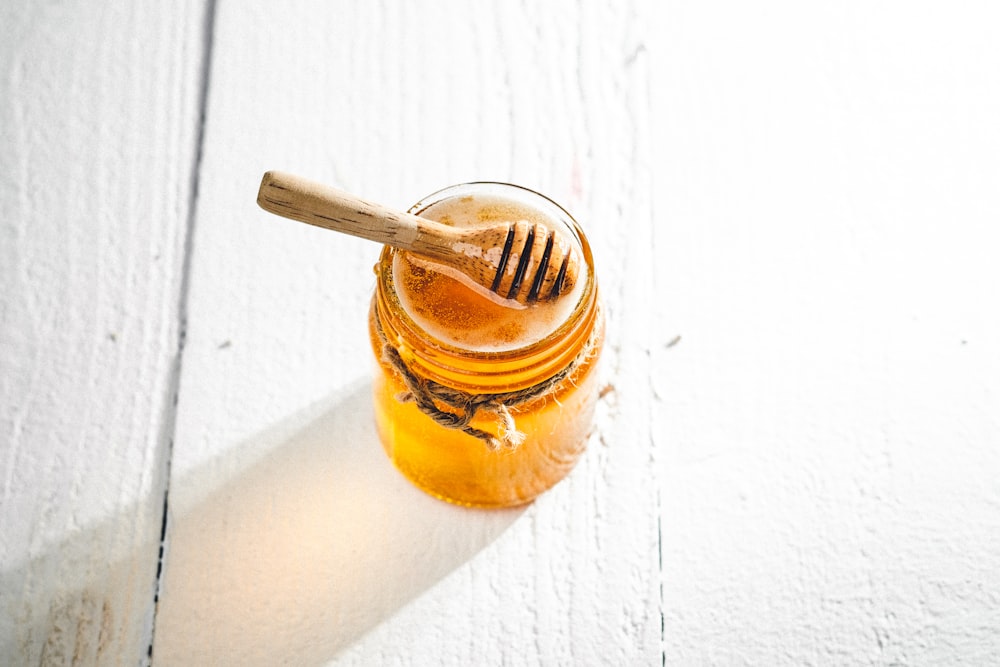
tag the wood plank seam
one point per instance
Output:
(176, 368)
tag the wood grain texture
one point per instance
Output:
(97, 125)
(291, 537)
(829, 420)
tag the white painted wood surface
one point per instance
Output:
(811, 475)
(831, 420)
(98, 109)
(290, 535)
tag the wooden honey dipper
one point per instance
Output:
(523, 261)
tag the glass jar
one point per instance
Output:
(479, 400)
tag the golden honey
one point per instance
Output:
(532, 368)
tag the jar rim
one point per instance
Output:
(455, 365)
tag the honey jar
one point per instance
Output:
(481, 400)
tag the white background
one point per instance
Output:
(806, 194)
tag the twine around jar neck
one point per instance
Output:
(432, 397)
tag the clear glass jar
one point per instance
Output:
(478, 400)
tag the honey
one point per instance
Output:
(447, 348)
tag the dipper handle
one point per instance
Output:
(317, 204)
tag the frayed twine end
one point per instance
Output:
(507, 429)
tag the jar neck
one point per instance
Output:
(480, 372)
